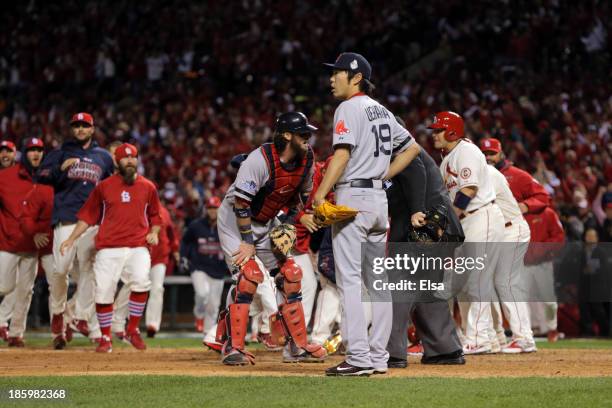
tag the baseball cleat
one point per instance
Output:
(415, 350)
(472, 349)
(80, 326)
(235, 357)
(267, 340)
(455, 358)
(4, 333)
(105, 346)
(394, 362)
(16, 342)
(151, 331)
(380, 371)
(59, 342)
(553, 336)
(120, 335)
(213, 345)
(345, 369)
(135, 340)
(69, 333)
(294, 354)
(520, 346)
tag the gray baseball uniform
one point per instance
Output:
(373, 135)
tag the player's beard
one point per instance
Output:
(298, 148)
(128, 173)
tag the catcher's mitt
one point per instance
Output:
(283, 238)
(327, 213)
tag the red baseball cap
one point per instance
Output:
(125, 150)
(34, 142)
(7, 144)
(213, 202)
(490, 144)
(82, 117)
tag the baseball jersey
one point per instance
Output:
(125, 212)
(503, 196)
(200, 244)
(466, 166)
(15, 186)
(168, 239)
(36, 215)
(73, 186)
(253, 175)
(525, 188)
(373, 135)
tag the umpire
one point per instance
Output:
(417, 191)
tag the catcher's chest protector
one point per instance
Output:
(282, 186)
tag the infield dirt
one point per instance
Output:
(200, 362)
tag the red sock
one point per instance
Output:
(136, 306)
(105, 317)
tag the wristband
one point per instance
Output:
(462, 200)
(246, 233)
(242, 212)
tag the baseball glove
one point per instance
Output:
(327, 213)
(283, 238)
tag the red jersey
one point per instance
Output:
(125, 212)
(36, 216)
(525, 188)
(545, 227)
(168, 239)
(15, 185)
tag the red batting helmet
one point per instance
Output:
(451, 122)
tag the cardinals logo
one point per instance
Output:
(341, 129)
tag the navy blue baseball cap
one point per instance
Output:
(353, 62)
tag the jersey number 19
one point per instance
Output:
(382, 134)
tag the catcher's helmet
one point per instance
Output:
(451, 122)
(293, 122)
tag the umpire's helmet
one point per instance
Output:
(293, 122)
(451, 122)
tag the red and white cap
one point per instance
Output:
(213, 202)
(490, 144)
(82, 117)
(7, 144)
(34, 142)
(125, 150)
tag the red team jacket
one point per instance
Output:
(125, 212)
(545, 227)
(15, 186)
(168, 239)
(525, 188)
(36, 216)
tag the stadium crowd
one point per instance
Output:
(192, 84)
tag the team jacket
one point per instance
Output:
(125, 212)
(282, 187)
(36, 216)
(545, 227)
(168, 239)
(15, 186)
(73, 186)
(200, 244)
(525, 188)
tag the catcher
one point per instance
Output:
(274, 176)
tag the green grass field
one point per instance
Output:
(158, 391)
(255, 391)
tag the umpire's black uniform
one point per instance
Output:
(419, 187)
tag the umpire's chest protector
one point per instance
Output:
(283, 185)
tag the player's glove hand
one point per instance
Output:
(283, 238)
(326, 213)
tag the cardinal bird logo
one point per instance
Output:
(341, 129)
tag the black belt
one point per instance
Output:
(365, 183)
(508, 224)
